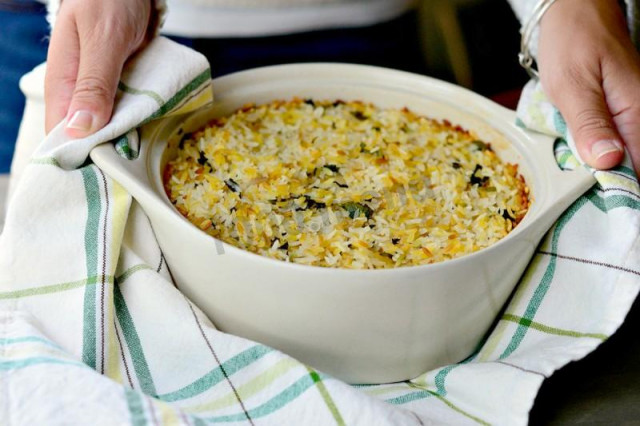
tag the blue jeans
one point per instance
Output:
(23, 45)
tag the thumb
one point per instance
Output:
(586, 112)
(96, 84)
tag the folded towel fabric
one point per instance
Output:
(93, 331)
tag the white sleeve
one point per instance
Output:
(161, 13)
(52, 11)
(523, 10)
(633, 20)
(160, 10)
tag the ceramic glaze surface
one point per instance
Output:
(362, 326)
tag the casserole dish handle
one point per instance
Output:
(132, 174)
(557, 188)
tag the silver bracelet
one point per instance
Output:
(524, 57)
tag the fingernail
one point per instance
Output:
(81, 120)
(602, 148)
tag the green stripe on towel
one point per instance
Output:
(545, 282)
(331, 405)
(54, 288)
(133, 91)
(606, 204)
(40, 360)
(551, 330)
(274, 404)
(181, 95)
(136, 407)
(132, 270)
(206, 382)
(140, 365)
(91, 240)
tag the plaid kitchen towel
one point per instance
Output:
(92, 330)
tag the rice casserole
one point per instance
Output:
(344, 184)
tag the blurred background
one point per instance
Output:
(475, 44)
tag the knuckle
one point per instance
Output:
(93, 88)
(575, 76)
(121, 34)
(592, 120)
(117, 26)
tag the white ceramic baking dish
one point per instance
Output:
(363, 326)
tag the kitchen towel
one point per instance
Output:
(93, 331)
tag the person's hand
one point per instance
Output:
(590, 70)
(89, 45)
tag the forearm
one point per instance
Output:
(524, 9)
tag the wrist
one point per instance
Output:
(530, 34)
(585, 12)
(52, 11)
(551, 21)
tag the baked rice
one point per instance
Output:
(344, 184)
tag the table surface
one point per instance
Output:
(601, 389)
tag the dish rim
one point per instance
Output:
(152, 161)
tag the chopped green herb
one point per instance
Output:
(232, 185)
(359, 115)
(202, 160)
(313, 204)
(481, 146)
(477, 180)
(507, 215)
(385, 254)
(357, 209)
(183, 139)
